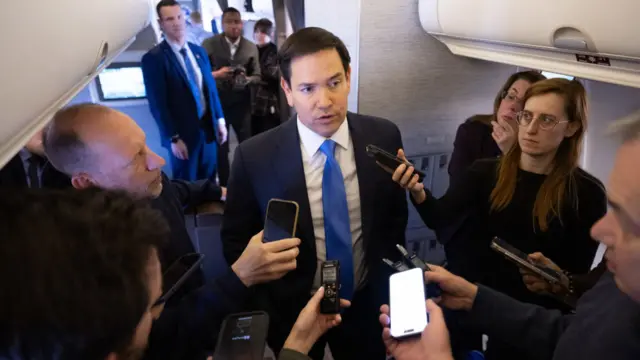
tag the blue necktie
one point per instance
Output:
(336, 219)
(193, 82)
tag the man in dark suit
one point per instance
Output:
(101, 147)
(183, 97)
(30, 168)
(236, 63)
(350, 211)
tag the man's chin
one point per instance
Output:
(155, 191)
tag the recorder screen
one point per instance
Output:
(329, 274)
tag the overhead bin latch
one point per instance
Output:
(103, 51)
(570, 38)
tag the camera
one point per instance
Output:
(330, 278)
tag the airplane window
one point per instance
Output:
(551, 75)
(121, 81)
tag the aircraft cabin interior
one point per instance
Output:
(425, 65)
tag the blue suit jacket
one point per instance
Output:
(269, 165)
(170, 99)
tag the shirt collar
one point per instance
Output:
(312, 141)
(177, 47)
(235, 43)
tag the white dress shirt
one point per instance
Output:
(313, 161)
(233, 46)
(194, 63)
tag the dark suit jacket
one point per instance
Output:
(220, 56)
(191, 319)
(606, 325)
(13, 175)
(270, 165)
(171, 100)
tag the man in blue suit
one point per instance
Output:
(183, 97)
(349, 209)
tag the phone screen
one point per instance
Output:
(243, 337)
(280, 220)
(407, 307)
(178, 273)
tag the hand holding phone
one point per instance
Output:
(433, 344)
(390, 162)
(513, 254)
(407, 308)
(262, 262)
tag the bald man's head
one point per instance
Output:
(98, 146)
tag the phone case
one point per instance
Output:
(295, 220)
(230, 317)
(520, 258)
(389, 160)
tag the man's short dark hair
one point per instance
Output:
(230, 10)
(164, 3)
(264, 26)
(74, 266)
(309, 41)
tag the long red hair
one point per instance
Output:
(552, 193)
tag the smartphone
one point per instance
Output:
(522, 259)
(407, 307)
(243, 336)
(281, 220)
(177, 274)
(389, 160)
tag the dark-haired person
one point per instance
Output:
(100, 147)
(266, 104)
(30, 168)
(83, 272)
(350, 210)
(480, 137)
(535, 197)
(236, 64)
(197, 34)
(183, 98)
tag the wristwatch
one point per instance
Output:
(175, 138)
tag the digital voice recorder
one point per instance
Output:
(330, 279)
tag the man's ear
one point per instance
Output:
(82, 181)
(287, 91)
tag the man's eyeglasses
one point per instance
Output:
(546, 122)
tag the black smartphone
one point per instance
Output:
(243, 336)
(520, 258)
(177, 274)
(389, 160)
(407, 306)
(281, 220)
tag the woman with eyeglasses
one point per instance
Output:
(535, 197)
(487, 136)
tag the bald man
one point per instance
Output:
(100, 147)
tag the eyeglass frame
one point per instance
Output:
(540, 124)
(506, 94)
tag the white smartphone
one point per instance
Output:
(407, 303)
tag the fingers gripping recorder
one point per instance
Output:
(411, 262)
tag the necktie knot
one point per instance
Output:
(183, 51)
(36, 160)
(328, 148)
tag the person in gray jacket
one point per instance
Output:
(606, 324)
(236, 65)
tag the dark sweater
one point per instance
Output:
(567, 243)
(606, 325)
(191, 320)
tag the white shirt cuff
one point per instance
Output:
(222, 121)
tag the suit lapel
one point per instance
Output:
(14, 172)
(168, 51)
(365, 167)
(290, 175)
